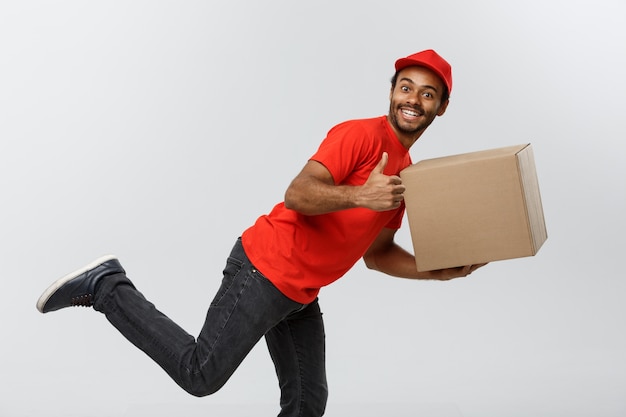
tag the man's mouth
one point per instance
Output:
(410, 113)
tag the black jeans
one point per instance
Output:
(246, 307)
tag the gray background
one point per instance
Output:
(159, 130)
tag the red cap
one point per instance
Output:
(431, 60)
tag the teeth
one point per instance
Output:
(410, 112)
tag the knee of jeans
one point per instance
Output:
(200, 391)
(202, 388)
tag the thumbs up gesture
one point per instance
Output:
(381, 192)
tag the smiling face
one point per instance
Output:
(415, 100)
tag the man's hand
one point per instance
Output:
(451, 273)
(380, 192)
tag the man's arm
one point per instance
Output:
(313, 191)
(386, 256)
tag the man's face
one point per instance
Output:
(415, 101)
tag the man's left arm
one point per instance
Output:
(386, 256)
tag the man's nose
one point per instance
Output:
(414, 99)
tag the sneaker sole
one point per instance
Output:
(61, 281)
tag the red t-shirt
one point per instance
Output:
(300, 254)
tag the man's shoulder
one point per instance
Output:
(378, 120)
(371, 123)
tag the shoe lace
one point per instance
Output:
(85, 300)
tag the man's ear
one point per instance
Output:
(442, 108)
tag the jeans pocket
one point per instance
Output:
(269, 285)
(257, 275)
(231, 270)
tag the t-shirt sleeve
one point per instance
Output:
(346, 147)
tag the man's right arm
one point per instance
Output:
(314, 192)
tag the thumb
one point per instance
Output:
(380, 167)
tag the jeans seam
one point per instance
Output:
(301, 393)
(221, 329)
(139, 329)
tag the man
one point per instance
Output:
(345, 204)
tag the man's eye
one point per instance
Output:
(405, 89)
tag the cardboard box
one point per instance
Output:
(475, 207)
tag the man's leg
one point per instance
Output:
(245, 307)
(297, 347)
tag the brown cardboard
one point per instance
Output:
(473, 208)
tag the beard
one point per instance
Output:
(407, 127)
